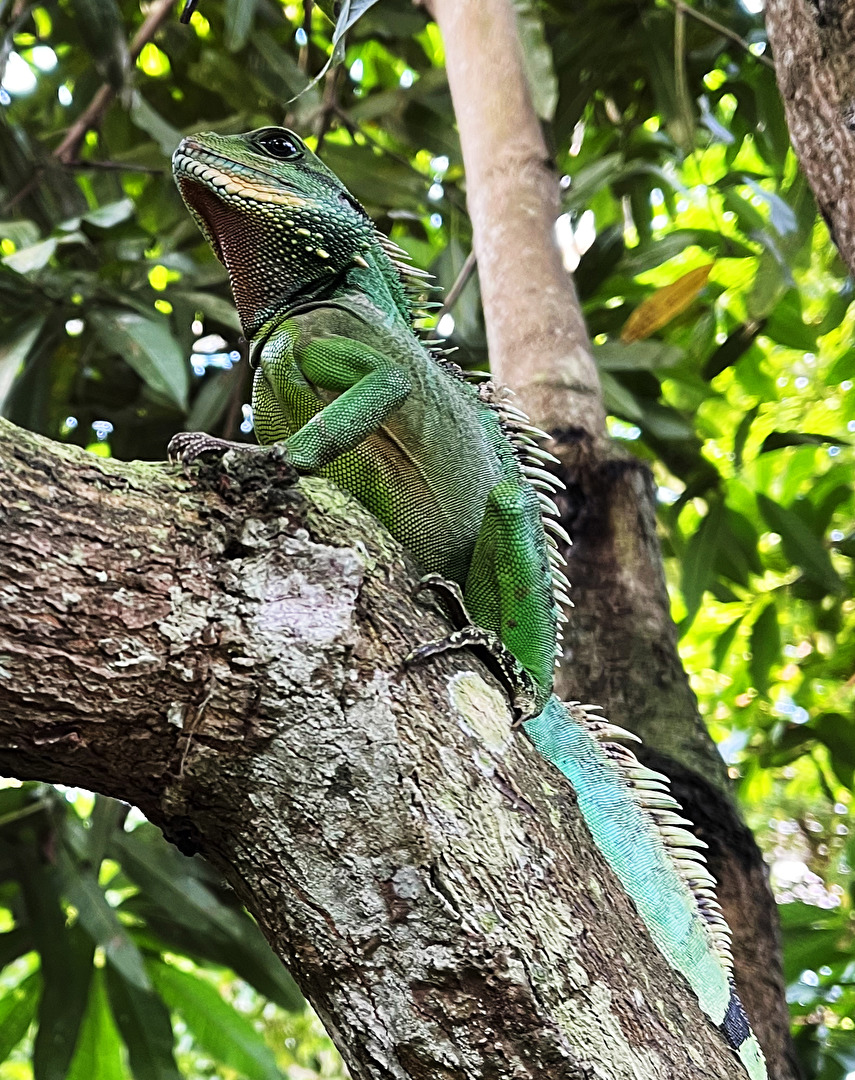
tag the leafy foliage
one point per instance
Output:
(105, 929)
(722, 321)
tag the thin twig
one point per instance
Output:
(303, 55)
(725, 31)
(115, 166)
(330, 106)
(92, 115)
(453, 294)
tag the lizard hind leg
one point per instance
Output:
(466, 635)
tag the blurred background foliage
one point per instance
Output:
(722, 321)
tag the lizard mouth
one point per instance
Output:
(205, 207)
(222, 192)
(228, 179)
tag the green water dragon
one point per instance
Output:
(456, 473)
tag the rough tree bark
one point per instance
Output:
(620, 646)
(227, 655)
(814, 50)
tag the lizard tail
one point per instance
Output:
(636, 824)
(738, 1033)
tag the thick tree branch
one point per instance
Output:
(230, 660)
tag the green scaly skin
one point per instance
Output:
(454, 473)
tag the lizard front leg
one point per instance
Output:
(294, 380)
(288, 409)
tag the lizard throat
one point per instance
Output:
(265, 274)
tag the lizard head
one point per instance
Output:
(280, 221)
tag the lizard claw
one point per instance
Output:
(450, 596)
(186, 446)
(516, 680)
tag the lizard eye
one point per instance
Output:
(278, 144)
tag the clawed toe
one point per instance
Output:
(186, 446)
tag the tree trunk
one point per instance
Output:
(227, 655)
(620, 646)
(814, 47)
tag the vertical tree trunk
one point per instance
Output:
(620, 647)
(814, 51)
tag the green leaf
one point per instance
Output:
(184, 911)
(110, 214)
(618, 399)
(765, 646)
(17, 1011)
(215, 1025)
(100, 920)
(800, 545)
(786, 324)
(837, 733)
(723, 643)
(14, 353)
(103, 32)
(588, 180)
(842, 367)
(145, 1026)
(32, 258)
(214, 307)
(770, 283)
(15, 943)
(149, 348)
(637, 356)
(66, 966)
(537, 59)
(647, 256)
(742, 433)
(776, 440)
(239, 17)
(699, 558)
(98, 1054)
(152, 123)
(809, 951)
(782, 217)
(730, 350)
(211, 401)
(21, 233)
(107, 816)
(67, 977)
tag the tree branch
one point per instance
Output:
(814, 49)
(93, 114)
(226, 654)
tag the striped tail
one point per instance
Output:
(636, 824)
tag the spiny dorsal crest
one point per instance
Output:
(415, 282)
(526, 441)
(651, 791)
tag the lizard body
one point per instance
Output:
(455, 473)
